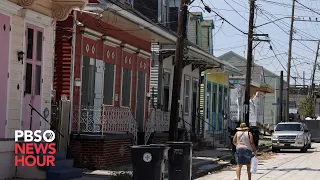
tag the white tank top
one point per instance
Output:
(243, 140)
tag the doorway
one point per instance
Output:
(141, 94)
(32, 78)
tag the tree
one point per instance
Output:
(306, 107)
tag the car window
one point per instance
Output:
(288, 127)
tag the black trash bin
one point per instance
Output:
(180, 160)
(233, 160)
(256, 135)
(148, 162)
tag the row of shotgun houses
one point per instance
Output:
(113, 60)
(264, 93)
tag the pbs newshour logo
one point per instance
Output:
(34, 148)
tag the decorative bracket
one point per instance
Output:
(62, 8)
(27, 3)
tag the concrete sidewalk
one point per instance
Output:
(202, 162)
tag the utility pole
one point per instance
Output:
(289, 61)
(249, 64)
(314, 70)
(304, 82)
(281, 98)
(182, 21)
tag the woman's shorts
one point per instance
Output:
(243, 156)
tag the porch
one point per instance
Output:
(101, 137)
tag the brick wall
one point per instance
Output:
(100, 153)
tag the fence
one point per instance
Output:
(107, 119)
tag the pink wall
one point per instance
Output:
(4, 62)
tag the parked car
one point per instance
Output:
(291, 135)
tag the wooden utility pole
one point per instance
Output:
(249, 64)
(314, 70)
(281, 97)
(289, 61)
(178, 66)
(304, 76)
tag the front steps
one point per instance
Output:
(63, 170)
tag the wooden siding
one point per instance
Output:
(63, 56)
(192, 31)
(204, 38)
(47, 73)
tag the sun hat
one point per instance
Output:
(243, 127)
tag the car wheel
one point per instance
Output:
(309, 146)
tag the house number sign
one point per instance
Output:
(46, 112)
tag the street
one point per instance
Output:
(285, 165)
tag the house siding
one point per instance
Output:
(204, 38)
(122, 52)
(16, 81)
(167, 64)
(63, 56)
(192, 31)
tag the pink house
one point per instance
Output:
(26, 68)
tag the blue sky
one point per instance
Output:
(227, 38)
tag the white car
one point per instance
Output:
(291, 135)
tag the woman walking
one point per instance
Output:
(243, 140)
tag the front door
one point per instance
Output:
(4, 62)
(87, 94)
(208, 114)
(32, 78)
(98, 90)
(141, 94)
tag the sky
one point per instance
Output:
(227, 38)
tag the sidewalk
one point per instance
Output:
(202, 162)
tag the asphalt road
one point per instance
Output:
(286, 165)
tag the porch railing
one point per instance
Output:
(158, 120)
(107, 119)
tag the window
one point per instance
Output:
(126, 87)
(39, 46)
(38, 80)
(28, 78)
(288, 127)
(108, 84)
(30, 44)
(186, 94)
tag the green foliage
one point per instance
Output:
(121, 176)
(306, 107)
